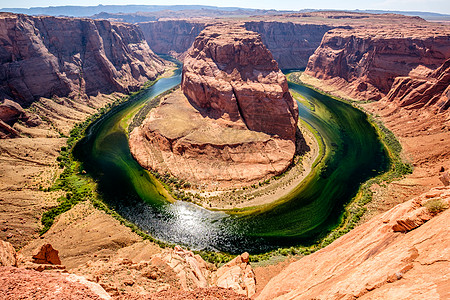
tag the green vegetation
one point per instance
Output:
(435, 206)
(79, 186)
(356, 208)
(73, 180)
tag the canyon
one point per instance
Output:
(234, 123)
(49, 57)
(400, 248)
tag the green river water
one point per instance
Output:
(353, 154)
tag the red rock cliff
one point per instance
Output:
(365, 61)
(47, 56)
(432, 90)
(231, 74)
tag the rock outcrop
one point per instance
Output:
(47, 255)
(236, 122)
(231, 75)
(364, 62)
(171, 270)
(18, 283)
(432, 90)
(237, 275)
(291, 44)
(375, 261)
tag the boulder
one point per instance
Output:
(8, 255)
(47, 255)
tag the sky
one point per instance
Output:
(439, 6)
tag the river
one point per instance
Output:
(354, 154)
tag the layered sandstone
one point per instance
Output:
(67, 57)
(234, 125)
(48, 56)
(364, 62)
(291, 44)
(376, 261)
(173, 37)
(419, 92)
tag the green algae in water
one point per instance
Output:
(352, 154)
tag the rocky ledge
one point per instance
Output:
(432, 90)
(235, 122)
(400, 254)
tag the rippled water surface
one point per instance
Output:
(354, 155)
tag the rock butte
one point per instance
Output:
(235, 124)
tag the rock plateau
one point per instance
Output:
(234, 125)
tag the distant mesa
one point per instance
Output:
(233, 123)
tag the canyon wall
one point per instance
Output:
(233, 124)
(171, 37)
(48, 56)
(364, 62)
(290, 44)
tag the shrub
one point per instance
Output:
(435, 206)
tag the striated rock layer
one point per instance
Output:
(234, 125)
(401, 254)
(172, 37)
(48, 56)
(290, 44)
(415, 93)
(364, 62)
(231, 75)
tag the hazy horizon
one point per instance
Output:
(435, 6)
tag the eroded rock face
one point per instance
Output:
(230, 74)
(172, 37)
(364, 62)
(234, 125)
(290, 44)
(375, 261)
(48, 56)
(430, 90)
